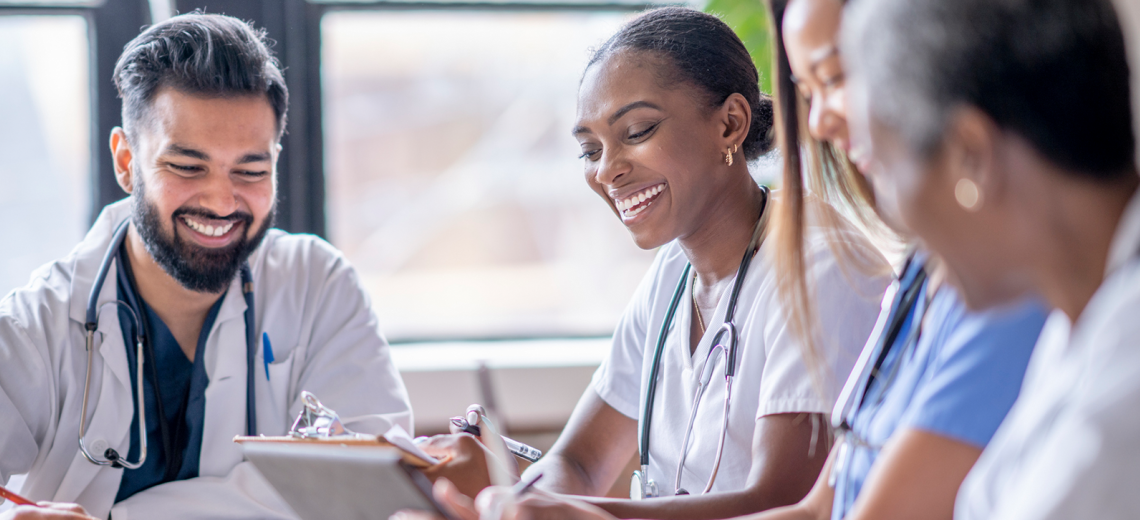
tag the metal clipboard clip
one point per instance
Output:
(316, 421)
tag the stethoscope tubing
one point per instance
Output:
(854, 396)
(758, 234)
(111, 457)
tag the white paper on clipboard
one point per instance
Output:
(342, 482)
(399, 437)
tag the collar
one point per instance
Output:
(89, 254)
(1126, 240)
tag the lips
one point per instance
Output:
(207, 229)
(633, 205)
(212, 232)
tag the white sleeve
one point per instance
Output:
(1087, 465)
(25, 402)
(243, 493)
(349, 362)
(618, 380)
(847, 305)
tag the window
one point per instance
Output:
(453, 184)
(45, 141)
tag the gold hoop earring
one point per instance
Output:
(728, 158)
(968, 195)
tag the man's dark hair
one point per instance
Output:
(704, 52)
(1052, 71)
(199, 54)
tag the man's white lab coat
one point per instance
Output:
(325, 339)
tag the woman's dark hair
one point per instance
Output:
(203, 54)
(704, 52)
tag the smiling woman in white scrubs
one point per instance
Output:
(669, 113)
(1013, 157)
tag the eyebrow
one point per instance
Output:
(254, 157)
(623, 110)
(176, 149)
(617, 115)
(832, 50)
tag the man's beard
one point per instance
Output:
(202, 269)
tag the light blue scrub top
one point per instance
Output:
(958, 381)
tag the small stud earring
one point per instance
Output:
(968, 195)
(728, 158)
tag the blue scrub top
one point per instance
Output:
(958, 381)
(182, 384)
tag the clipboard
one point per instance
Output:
(323, 480)
(322, 470)
(355, 440)
(317, 424)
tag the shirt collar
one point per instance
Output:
(1126, 240)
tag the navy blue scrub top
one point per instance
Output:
(182, 385)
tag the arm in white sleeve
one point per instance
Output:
(349, 363)
(26, 396)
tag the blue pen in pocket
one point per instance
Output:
(268, 352)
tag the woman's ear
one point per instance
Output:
(121, 158)
(736, 115)
(969, 149)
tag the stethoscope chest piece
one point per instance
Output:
(641, 487)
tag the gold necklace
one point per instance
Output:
(700, 319)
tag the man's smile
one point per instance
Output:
(212, 232)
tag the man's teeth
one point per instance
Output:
(638, 198)
(209, 230)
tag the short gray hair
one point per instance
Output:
(1053, 71)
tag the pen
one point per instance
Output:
(16, 499)
(522, 487)
(520, 450)
(268, 351)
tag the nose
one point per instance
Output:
(610, 168)
(825, 123)
(219, 195)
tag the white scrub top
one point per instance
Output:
(1070, 447)
(771, 376)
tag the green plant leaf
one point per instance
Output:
(749, 18)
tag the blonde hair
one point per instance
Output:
(845, 195)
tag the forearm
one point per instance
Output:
(699, 507)
(561, 474)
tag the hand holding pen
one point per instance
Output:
(27, 510)
(476, 416)
(518, 502)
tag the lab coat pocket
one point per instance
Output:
(274, 400)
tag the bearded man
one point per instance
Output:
(183, 319)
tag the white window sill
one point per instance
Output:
(536, 382)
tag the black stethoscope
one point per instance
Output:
(641, 485)
(111, 457)
(884, 335)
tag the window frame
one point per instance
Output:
(295, 26)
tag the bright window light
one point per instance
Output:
(44, 140)
(454, 185)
